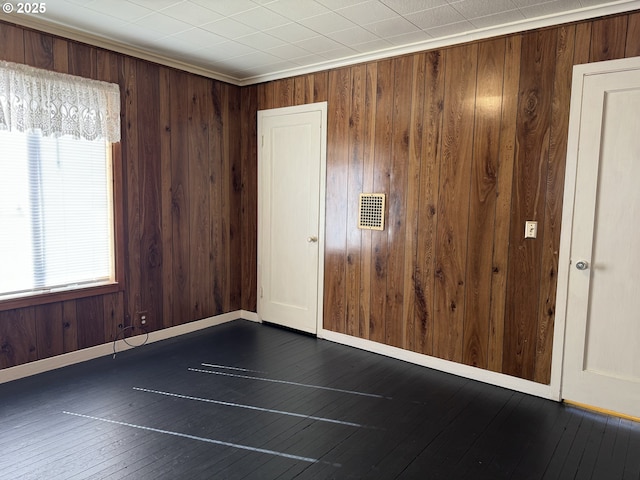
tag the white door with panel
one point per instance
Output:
(600, 245)
(291, 171)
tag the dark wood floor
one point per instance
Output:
(244, 400)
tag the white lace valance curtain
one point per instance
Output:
(56, 104)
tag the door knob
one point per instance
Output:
(312, 239)
(582, 265)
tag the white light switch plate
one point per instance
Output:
(530, 229)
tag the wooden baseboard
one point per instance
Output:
(603, 411)
(59, 361)
(551, 392)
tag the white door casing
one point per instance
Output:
(600, 303)
(291, 192)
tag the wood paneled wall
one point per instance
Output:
(468, 143)
(181, 174)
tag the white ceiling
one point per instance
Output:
(249, 41)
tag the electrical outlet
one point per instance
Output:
(530, 229)
(141, 318)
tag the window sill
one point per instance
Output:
(61, 296)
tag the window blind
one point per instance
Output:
(55, 214)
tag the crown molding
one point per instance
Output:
(480, 34)
(54, 28)
(38, 23)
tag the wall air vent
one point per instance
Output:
(371, 211)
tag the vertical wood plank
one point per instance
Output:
(17, 337)
(632, 48)
(299, 87)
(233, 291)
(303, 89)
(582, 43)
(537, 69)
(199, 221)
(320, 87)
(336, 200)
(453, 201)
(61, 57)
(423, 275)
(381, 172)
(482, 205)
(284, 92)
(113, 315)
(49, 328)
(413, 200)
(70, 325)
(166, 218)
(264, 96)
(147, 78)
(355, 172)
(269, 96)
(82, 60)
(90, 321)
(129, 110)
(12, 41)
(107, 66)
(559, 129)
(218, 198)
(249, 99)
(395, 329)
(500, 254)
(180, 125)
(608, 38)
(38, 49)
(371, 82)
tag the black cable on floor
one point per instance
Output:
(124, 339)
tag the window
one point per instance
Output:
(56, 213)
(56, 195)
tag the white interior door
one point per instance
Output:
(291, 166)
(602, 339)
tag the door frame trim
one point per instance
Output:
(305, 108)
(571, 168)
